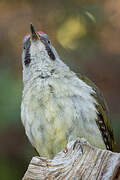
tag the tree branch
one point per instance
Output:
(91, 164)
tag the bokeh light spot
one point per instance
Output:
(70, 31)
(92, 18)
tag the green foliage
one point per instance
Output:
(7, 170)
(10, 98)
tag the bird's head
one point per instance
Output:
(38, 53)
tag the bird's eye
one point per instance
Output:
(48, 41)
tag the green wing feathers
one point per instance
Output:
(103, 120)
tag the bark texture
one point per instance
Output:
(79, 161)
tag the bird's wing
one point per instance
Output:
(103, 121)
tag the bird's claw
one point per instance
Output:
(78, 142)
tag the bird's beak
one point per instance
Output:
(34, 35)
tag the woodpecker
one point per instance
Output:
(57, 105)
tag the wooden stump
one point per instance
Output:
(82, 162)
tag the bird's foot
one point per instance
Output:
(78, 143)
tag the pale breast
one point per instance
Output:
(56, 112)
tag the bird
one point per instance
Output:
(59, 105)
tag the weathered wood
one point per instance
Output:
(91, 164)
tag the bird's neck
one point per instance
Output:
(43, 67)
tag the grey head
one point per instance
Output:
(38, 54)
(34, 38)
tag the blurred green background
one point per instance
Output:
(86, 34)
